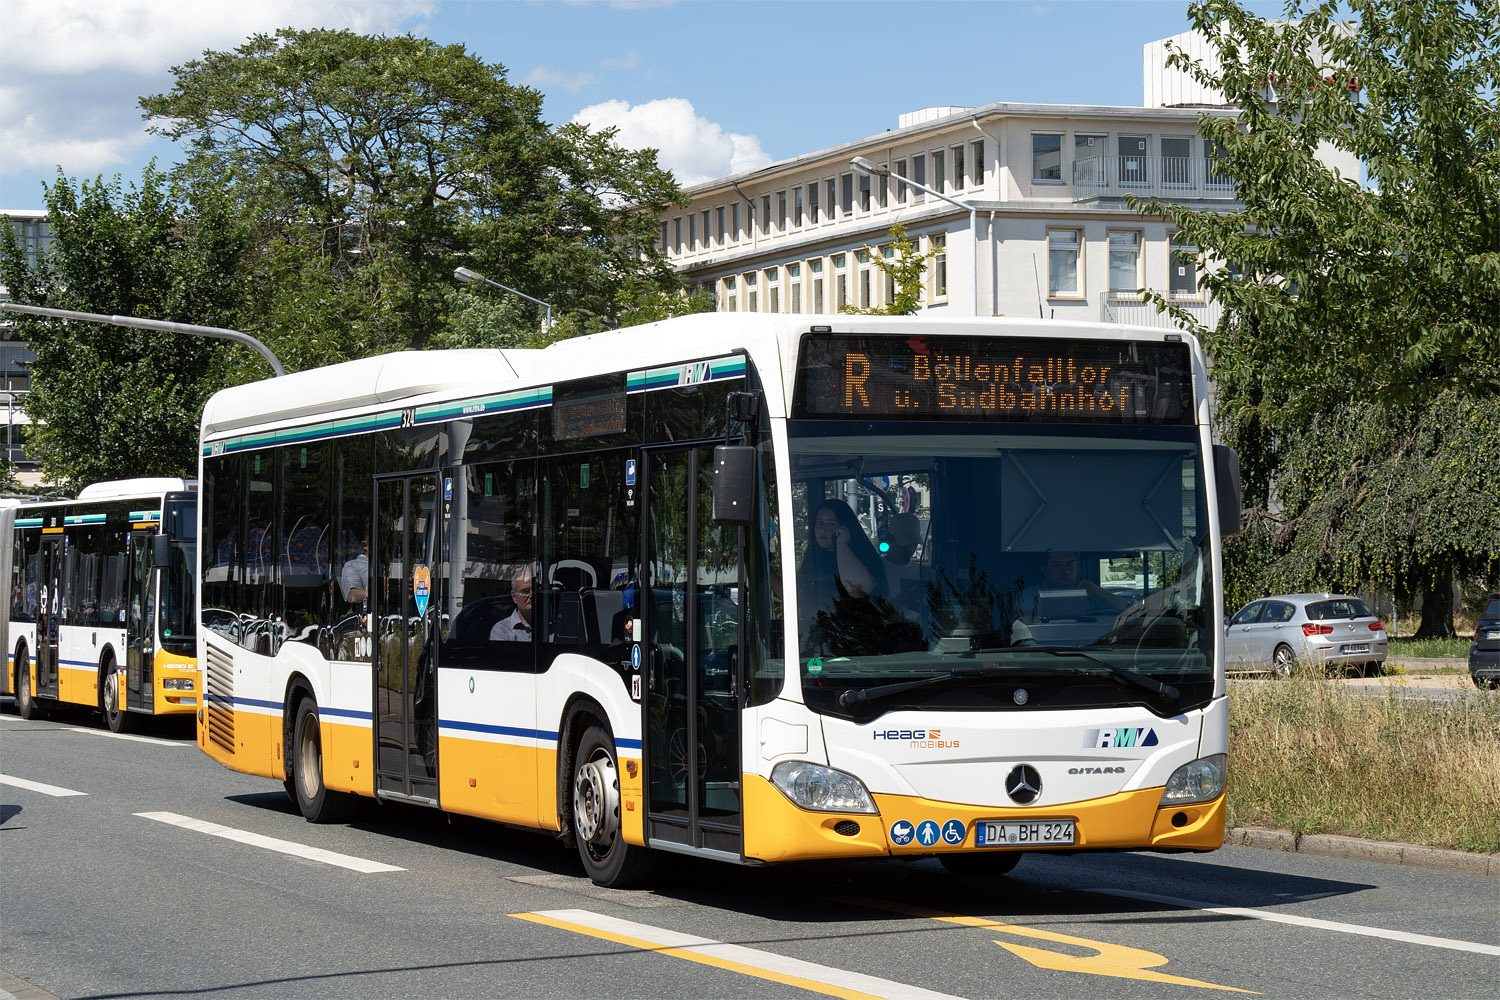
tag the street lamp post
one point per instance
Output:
(465, 275)
(865, 167)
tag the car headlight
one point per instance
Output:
(821, 789)
(1198, 781)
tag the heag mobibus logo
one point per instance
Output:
(916, 739)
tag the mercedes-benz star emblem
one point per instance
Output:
(1023, 784)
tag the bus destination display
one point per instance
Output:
(993, 378)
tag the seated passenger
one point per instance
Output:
(516, 627)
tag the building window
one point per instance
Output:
(939, 170)
(692, 240)
(731, 303)
(664, 243)
(977, 163)
(888, 253)
(765, 212)
(719, 225)
(840, 281)
(1212, 156)
(752, 294)
(1124, 264)
(938, 243)
(1134, 166)
(832, 187)
(734, 222)
(705, 229)
(815, 267)
(1046, 157)
(1062, 263)
(794, 286)
(773, 289)
(1176, 161)
(958, 166)
(918, 176)
(797, 206)
(812, 203)
(677, 235)
(899, 170)
(864, 192)
(864, 279)
(846, 194)
(882, 190)
(1090, 154)
(1182, 277)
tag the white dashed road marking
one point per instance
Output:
(37, 786)
(271, 843)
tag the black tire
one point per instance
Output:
(595, 787)
(26, 703)
(317, 803)
(1283, 660)
(116, 716)
(981, 864)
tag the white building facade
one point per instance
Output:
(1024, 202)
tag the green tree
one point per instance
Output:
(904, 270)
(1360, 319)
(108, 402)
(377, 164)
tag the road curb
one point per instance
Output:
(1334, 846)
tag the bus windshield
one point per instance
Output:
(178, 608)
(950, 564)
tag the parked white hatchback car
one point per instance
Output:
(1324, 630)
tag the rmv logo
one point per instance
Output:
(1101, 739)
(694, 373)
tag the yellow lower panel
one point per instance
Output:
(546, 789)
(777, 830)
(257, 745)
(78, 686)
(632, 801)
(494, 781)
(175, 702)
(348, 757)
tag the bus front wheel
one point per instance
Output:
(606, 857)
(317, 803)
(26, 706)
(115, 716)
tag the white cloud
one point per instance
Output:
(630, 60)
(693, 148)
(75, 68)
(544, 79)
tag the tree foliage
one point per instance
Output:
(1357, 363)
(905, 270)
(377, 164)
(109, 402)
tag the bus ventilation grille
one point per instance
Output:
(218, 714)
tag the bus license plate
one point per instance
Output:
(1355, 647)
(1011, 833)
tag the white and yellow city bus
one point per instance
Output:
(102, 592)
(754, 588)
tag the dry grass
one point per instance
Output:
(1308, 755)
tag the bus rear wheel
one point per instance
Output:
(606, 857)
(26, 705)
(115, 717)
(317, 803)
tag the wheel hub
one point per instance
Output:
(596, 800)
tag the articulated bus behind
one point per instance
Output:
(102, 601)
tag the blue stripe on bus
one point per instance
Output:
(480, 727)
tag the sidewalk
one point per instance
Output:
(1330, 845)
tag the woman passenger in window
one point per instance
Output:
(840, 574)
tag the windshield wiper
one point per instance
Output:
(855, 696)
(1140, 680)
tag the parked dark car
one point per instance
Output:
(1484, 655)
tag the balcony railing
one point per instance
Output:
(1132, 311)
(1170, 175)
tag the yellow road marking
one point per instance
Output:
(1115, 960)
(734, 958)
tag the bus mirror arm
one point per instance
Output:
(734, 484)
(161, 551)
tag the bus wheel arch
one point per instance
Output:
(594, 809)
(116, 716)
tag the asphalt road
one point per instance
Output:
(140, 868)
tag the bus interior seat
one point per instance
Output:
(572, 574)
(567, 617)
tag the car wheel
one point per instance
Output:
(606, 857)
(1282, 661)
(115, 717)
(318, 804)
(981, 864)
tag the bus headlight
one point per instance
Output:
(177, 684)
(821, 789)
(1198, 781)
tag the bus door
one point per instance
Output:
(692, 698)
(406, 602)
(140, 635)
(49, 612)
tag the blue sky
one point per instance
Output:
(717, 85)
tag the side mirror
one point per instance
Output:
(1227, 480)
(734, 484)
(161, 551)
